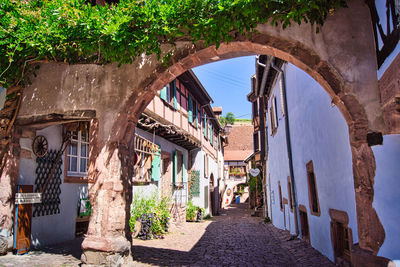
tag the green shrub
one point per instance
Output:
(192, 210)
(151, 205)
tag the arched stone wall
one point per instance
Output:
(341, 58)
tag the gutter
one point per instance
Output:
(289, 146)
(265, 74)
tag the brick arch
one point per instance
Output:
(341, 59)
(370, 231)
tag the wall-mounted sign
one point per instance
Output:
(254, 172)
(28, 198)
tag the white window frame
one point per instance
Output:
(79, 156)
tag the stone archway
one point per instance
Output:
(341, 58)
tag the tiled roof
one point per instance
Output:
(240, 143)
(237, 155)
(217, 109)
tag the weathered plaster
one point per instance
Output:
(341, 58)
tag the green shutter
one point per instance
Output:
(156, 168)
(212, 134)
(197, 121)
(163, 94)
(205, 125)
(175, 166)
(184, 176)
(190, 112)
(175, 100)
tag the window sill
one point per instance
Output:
(76, 180)
(171, 106)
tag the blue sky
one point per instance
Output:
(228, 83)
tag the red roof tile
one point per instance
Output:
(240, 143)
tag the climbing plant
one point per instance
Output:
(74, 31)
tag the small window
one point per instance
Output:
(305, 232)
(256, 141)
(255, 109)
(78, 152)
(280, 195)
(341, 234)
(312, 190)
(178, 168)
(290, 195)
(273, 116)
(205, 165)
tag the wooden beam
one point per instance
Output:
(56, 118)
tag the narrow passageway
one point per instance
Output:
(233, 239)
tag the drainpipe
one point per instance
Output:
(264, 77)
(288, 145)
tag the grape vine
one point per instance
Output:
(74, 31)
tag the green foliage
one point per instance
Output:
(75, 32)
(222, 121)
(255, 183)
(230, 118)
(267, 220)
(191, 211)
(242, 120)
(147, 205)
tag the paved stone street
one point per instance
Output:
(232, 239)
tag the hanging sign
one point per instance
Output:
(254, 172)
(28, 198)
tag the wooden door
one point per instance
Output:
(23, 223)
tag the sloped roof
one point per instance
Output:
(240, 144)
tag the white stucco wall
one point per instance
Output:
(278, 170)
(319, 133)
(51, 229)
(386, 196)
(198, 165)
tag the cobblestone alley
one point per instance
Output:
(232, 239)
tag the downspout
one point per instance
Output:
(266, 67)
(288, 145)
(264, 77)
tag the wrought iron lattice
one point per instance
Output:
(51, 195)
(194, 184)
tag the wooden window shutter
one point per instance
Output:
(184, 175)
(190, 110)
(281, 95)
(175, 167)
(205, 125)
(196, 115)
(175, 100)
(211, 134)
(163, 94)
(276, 113)
(156, 167)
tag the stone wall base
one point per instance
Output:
(363, 258)
(103, 251)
